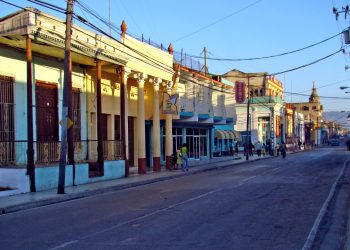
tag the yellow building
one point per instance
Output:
(312, 112)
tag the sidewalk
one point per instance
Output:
(24, 201)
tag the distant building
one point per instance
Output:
(312, 112)
(266, 113)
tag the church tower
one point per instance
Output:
(314, 98)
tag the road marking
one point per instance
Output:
(132, 221)
(312, 235)
(64, 245)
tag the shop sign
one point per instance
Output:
(170, 103)
(240, 92)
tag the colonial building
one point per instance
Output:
(266, 107)
(114, 109)
(312, 112)
(129, 105)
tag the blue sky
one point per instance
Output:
(241, 29)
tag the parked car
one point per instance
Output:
(335, 142)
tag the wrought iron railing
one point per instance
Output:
(14, 153)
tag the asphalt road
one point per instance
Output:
(267, 204)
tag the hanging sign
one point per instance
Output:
(169, 103)
(240, 92)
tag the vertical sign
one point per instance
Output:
(170, 103)
(240, 92)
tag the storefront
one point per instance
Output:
(196, 139)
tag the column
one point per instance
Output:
(99, 120)
(168, 140)
(124, 113)
(141, 123)
(156, 125)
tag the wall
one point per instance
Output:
(47, 177)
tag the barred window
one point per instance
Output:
(7, 132)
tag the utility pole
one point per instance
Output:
(205, 61)
(66, 94)
(30, 151)
(247, 128)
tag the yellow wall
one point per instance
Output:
(159, 63)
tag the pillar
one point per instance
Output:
(141, 123)
(99, 120)
(124, 113)
(168, 140)
(156, 125)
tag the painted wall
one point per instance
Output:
(47, 177)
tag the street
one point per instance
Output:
(267, 204)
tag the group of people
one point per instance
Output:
(180, 159)
(262, 149)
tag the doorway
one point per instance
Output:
(46, 122)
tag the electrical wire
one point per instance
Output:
(326, 97)
(266, 57)
(293, 69)
(215, 22)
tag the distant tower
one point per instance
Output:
(314, 98)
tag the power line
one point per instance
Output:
(215, 22)
(293, 69)
(326, 97)
(266, 57)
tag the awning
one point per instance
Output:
(227, 135)
(219, 134)
(232, 135)
(237, 135)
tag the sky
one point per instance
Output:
(239, 29)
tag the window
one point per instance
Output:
(7, 132)
(305, 108)
(76, 114)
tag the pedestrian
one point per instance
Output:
(258, 147)
(179, 161)
(184, 157)
(348, 144)
(236, 148)
(173, 161)
(277, 149)
(263, 149)
(231, 151)
(251, 147)
(283, 149)
(299, 144)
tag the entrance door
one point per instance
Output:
(46, 122)
(196, 147)
(131, 141)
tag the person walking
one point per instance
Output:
(251, 147)
(277, 147)
(179, 161)
(184, 157)
(236, 148)
(283, 149)
(263, 149)
(258, 147)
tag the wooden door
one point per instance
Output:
(47, 122)
(131, 141)
(46, 112)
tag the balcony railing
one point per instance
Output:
(14, 153)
